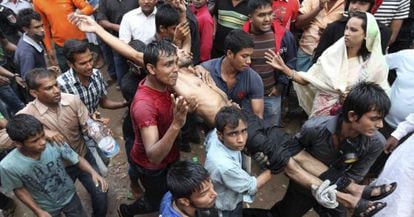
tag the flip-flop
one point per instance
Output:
(366, 193)
(361, 210)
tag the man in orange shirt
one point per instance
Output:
(57, 27)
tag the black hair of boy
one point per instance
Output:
(23, 126)
(72, 47)
(166, 16)
(35, 74)
(25, 17)
(156, 49)
(252, 5)
(238, 40)
(185, 178)
(229, 116)
(363, 98)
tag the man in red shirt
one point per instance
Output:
(157, 118)
(205, 28)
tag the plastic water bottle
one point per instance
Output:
(106, 143)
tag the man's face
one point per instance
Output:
(359, 6)
(48, 91)
(262, 18)
(205, 197)
(240, 60)
(199, 3)
(368, 124)
(36, 30)
(166, 69)
(35, 144)
(82, 64)
(234, 138)
(168, 33)
(147, 6)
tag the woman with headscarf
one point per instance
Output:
(353, 58)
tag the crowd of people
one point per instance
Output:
(229, 68)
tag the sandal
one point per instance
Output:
(361, 210)
(366, 194)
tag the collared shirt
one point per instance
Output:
(91, 95)
(136, 25)
(316, 136)
(248, 86)
(29, 55)
(230, 181)
(311, 35)
(69, 120)
(113, 10)
(18, 6)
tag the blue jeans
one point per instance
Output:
(60, 56)
(10, 98)
(109, 59)
(121, 67)
(303, 61)
(237, 212)
(99, 198)
(272, 110)
(72, 209)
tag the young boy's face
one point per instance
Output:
(234, 138)
(205, 198)
(35, 144)
(368, 124)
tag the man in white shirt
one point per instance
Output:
(139, 24)
(16, 5)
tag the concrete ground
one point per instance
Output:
(119, 182)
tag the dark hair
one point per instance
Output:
(229, 116)
(363, 98)
(72, 47)
(252, 5)
(138, 45)
(156, 49)
(363, 51)
(237, 40)
(348, 2)
(35, 74)
(25, 17)
(23, 126)
(185, 178)
(166, 16)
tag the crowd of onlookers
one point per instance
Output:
(229, 68)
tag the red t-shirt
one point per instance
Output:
(151, 108)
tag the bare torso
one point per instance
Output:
(210, 98)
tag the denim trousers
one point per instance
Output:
(303, 61)
(10, 98)
(121, 67)
(99, 199)
(73, 209)
(155, 185)
(109, 59)
(272, 110)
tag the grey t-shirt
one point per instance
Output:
(45, 179)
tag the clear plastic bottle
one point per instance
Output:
(102, 137)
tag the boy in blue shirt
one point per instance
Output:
(40, 180)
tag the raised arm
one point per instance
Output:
(87, 24)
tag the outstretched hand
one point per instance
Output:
(275, 60)
(83, 22)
